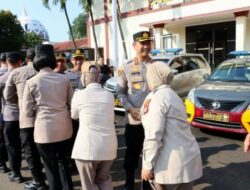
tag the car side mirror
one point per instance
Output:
(205, 76)
(175, 71)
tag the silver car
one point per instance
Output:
(189, 70)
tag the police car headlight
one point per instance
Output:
(190, 96)
(190, 107)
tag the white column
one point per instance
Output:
(158, 37)
(115, 37)
(241, 25)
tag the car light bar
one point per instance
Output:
(240, 53)
(172, 50)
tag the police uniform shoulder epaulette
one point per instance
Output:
(129, 61)
(30, 77)
(155, 90)
(68, 71)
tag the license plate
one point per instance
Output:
(222, 117)
(118, 103)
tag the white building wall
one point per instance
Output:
(194, 14)
(247, 41)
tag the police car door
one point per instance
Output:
(178, 84)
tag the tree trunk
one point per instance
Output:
(121, 32)
(70, 29)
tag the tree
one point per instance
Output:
(79, 28)
(87, 6)
(31, 39)
(63, 7)
(11, 32)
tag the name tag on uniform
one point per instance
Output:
(136, 78)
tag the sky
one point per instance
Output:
(53, 19)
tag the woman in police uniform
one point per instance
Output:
(171, 154)
(47, 98)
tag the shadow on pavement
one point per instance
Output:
(229, 177)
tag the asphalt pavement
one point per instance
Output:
(225, 166)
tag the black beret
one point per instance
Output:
(3, 57)
(142, 36)
(44, 57)
(30, 53)
(13, 56)
(77, 53)
(44, 49)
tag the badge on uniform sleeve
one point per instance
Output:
(146, 106)
(120, 71)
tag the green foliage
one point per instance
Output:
(31, 39)
(11, 32)
(79, 27)
(55, 2)
(86, 4)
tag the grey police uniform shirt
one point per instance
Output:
(3, 69)
(132, 87)
(75, 78)
(10, 108)
(15, 85)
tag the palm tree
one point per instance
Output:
(120, 29)
(87, 5)
(63, 6)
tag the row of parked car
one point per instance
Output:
(219, 100)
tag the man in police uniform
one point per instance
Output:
(3, 152)
(131, 90)
(74, 74)
(15, 85)
(60, 63)
(11, 129)
(3, 64)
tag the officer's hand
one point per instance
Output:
(147, 174)
(135, 113)
(247, 143)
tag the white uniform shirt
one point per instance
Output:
(96, 138)
(169, 149)
(47, 98)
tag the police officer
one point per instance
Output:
(3, 64)
(60, 63)
(3, 152)
(11, 122)
(74, 74)
(171, 155)
(15, 85)
(131, 90)
(47, 98)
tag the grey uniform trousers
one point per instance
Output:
(95, 175)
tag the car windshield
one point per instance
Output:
(163, 60)
(232, 72)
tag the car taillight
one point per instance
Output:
(245, 119)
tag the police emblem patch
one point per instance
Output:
(146, 106)
(145, 35)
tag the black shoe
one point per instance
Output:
(4, 169)
(15, 177)
(35, 185)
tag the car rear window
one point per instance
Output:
(232, 72)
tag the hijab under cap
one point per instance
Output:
(158, 73)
